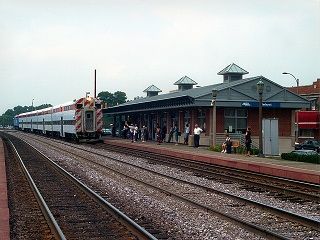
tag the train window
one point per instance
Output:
(79, 106)
(98, 105)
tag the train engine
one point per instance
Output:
(88, 118)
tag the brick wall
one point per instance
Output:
(283, 115)
(220, 120)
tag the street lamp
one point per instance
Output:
(260, 88)
(297, 80)
(32, 104)
(296, 132)
(214, 118)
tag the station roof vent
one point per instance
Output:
(185, 83)
(152, 91)
(232, 73)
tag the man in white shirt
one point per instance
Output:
(197, 131)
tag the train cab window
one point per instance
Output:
(79, 106)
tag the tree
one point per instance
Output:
(107, 97)
(119, 97)
(7, 118)
(113, 99)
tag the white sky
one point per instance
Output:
(49, 49)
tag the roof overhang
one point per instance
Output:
(308, 119)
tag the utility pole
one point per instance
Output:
(95, 83)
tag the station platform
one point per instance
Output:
(4, 210)
(299, 171)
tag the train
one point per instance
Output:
(80, 120)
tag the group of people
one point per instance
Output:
(226, 145)
(174, 134)
(134, 133)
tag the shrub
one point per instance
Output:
(216, 148)
(255, 151)
(301, 158)
(241, 150)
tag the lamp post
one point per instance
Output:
(297, 80)
(260, 88)
(32, 104)
(214, 116)
(296, 130)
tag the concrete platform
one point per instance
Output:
(306, 172)
(4, 210)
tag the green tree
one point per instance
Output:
(107, 97)
(113, 99)
(119, 97)
(7, 118)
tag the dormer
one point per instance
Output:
(232, 73)
(185, 83)
(152, 91)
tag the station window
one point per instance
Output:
(202, 119)
(163, 119)
(174, 118)
(235, 120)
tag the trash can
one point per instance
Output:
(191, 140)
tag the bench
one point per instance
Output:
(235, 145)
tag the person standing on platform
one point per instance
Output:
(158, 134)
(175, 133)
(197, 131)
(186, 134)
(143, 133)
(163, 133)
(113, 130)
(248, 141)
(135, 132)
(131, 131)
(170, 135)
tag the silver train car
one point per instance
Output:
(80, 119)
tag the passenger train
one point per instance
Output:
(80, 119)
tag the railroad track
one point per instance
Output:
(278, 221)
(284, 189)
(27, 220)
(72, 210)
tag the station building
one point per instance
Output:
(236, 101)
(308, 120)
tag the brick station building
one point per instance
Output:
(308, 120)
(237, 104)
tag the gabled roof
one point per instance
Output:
(152, 88)
(230, 94)
(185, 81)
(233, 68)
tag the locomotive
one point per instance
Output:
(80, 119)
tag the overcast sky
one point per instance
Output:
(49, 49)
